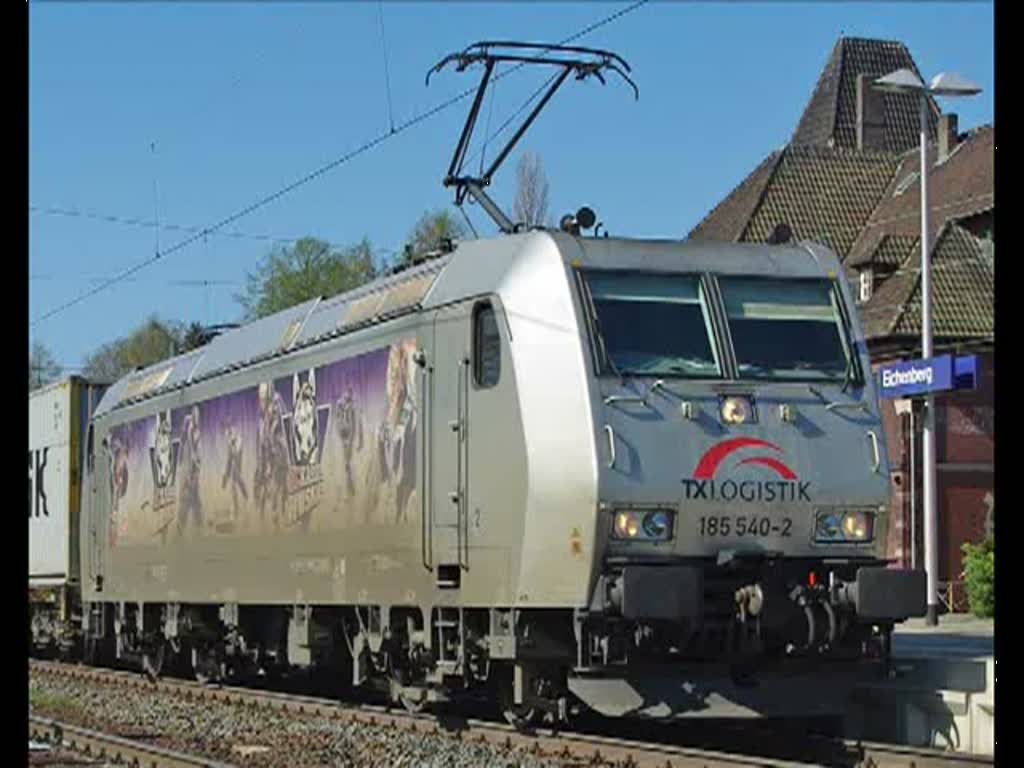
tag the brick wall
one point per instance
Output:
(965, 448)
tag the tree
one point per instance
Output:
(194, 337)
(151, 342)
(106, 364)
(291, 275)
(531, 206)
(428, 232)
(42, 366)
(980, 574)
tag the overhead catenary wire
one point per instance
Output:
(156, 204)
(387, 75)
(313, 175)
(487, 125)
(153, 281)
(147, 223)
(508, 121)
(469, 222)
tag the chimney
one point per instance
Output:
(870, 115)
(947, 136)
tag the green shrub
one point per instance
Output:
(980, 575)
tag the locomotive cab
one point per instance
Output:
(743, 481)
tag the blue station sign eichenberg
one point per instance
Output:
(933, 374)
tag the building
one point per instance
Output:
(849, 178)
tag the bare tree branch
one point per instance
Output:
(531, 206)
(42, 366)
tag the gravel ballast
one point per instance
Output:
(247, 736)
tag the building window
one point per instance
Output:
(865, 285)
(486, 346)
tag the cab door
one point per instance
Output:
(95, 502)
(448, 443)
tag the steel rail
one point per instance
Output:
(108, 747)
(540, 742)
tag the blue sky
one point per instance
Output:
(192, 111)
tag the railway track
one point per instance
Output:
(107, 747)
(568, 748)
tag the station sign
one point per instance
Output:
(929, 375)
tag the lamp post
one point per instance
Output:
(949, 85)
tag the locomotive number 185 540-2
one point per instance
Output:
(745, 525)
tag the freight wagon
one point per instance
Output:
(58, 416)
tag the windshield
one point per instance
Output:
(785, 329)
(652, 324)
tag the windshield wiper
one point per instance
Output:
(848, 374)
(857, 405)
(611, 363)
(601, 341)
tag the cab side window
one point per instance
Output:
(90, 455)
(486, 346)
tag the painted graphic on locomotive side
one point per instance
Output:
(323, 449)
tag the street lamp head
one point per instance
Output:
(946, 84)
(900, 81)
(951, 84)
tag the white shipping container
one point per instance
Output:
(58, 421)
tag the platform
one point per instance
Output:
(943, 694)
(956, 636)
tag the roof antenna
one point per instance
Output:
(583, 62)
(780, 235)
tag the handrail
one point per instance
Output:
(611, 445)
(659, 384)
(874, 447)
(625, 399)
(464, 438)
(426, 548)
(456, 496)
(830, 405)
(858, 406)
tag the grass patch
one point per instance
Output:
(48, 701)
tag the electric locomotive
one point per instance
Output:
(648, 477)
(644, 478)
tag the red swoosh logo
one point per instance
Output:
(717, 453)
(775, 464)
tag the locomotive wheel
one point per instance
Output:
(412, 704)
(153, 662)
(412, 698)
(91, 654)
(206, 667)
(520, 716)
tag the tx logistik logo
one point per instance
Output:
(703, 484)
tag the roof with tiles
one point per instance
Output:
(893, 250)
(830, 119)
(825, 195)
(960, 186)
(866, 205)
(729, 218)
(962, 294)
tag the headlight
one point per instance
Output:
(844, 526)
(736, 410)
(640, 525)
